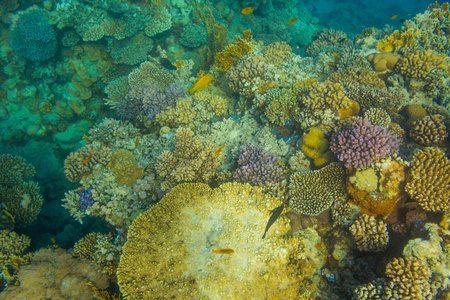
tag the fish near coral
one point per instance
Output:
(201, 84)
(88, 159)
(217, 152)
(247, 10)
(292, 21)
(223, 251)
(274, 216)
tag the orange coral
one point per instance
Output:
(124, 166)
(233, 52)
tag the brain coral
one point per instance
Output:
(313, 192)
(363, 143)
(32, 35)
(169, 251)
(193, 160)
(430, 177)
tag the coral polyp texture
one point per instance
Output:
(410, 278)
(193, 160)
(363, 143)
(170, 248)
(33, 37)
(430, 177)
(12, 255)
(429, 130)
(370, 234)
(313, 192)
(257, 165)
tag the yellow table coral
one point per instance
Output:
(169, 252)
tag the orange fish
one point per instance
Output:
(88, 159)
(394, 17)
(247, 10)
(86, 139)
(201, 83)
(293, 20)
(136, 142)
(223, 251)
(53, 240)
(217, 152)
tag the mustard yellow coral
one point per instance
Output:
(233, 52)
(430, 177)
(193, 160)
(169, 250)
(124, 166)
(427, 65)
(398, 40)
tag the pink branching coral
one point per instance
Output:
(363, 143)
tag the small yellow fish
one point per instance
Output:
(293, 20)
(86, 139)
(217, 152)
(247, 10)
(394, 17)
(88, 159)
(223, 251)
(201, 83)
(53, 240)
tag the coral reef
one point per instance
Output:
(383, 62)
(130, 51)
(193, 160)
(99, 248)
(245, 77)
(82, 161)
(429, 130)
(55, 274)
(233, 52)
(32, 35)
(316, 146)
(370, 234)
(315, 191)
(328, 41)
(149, 73)
(125, 168)
(256, 165)
(188, 267)
(426, 65)
(363, 143)
(378, 117)
(410, 278)
(21, 200)
(12, 255)
(193, 35)
(280, 105)
(430, 174)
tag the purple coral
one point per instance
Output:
(257, 165)
(86, 198)
(363, 143)
(149, 100)
(156, 102)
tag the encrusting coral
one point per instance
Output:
(196, 224)
(124, 166)
(55, 274)
(193, 160)
(430, 177)
(313, 192)
(370, 234)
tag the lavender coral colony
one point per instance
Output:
(257, 165)
(216, 161)
(363, 143)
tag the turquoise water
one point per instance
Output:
(115, 103)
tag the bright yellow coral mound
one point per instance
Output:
(168, 253)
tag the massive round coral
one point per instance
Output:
(32, 35)
(169, 251)
(363, 143)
